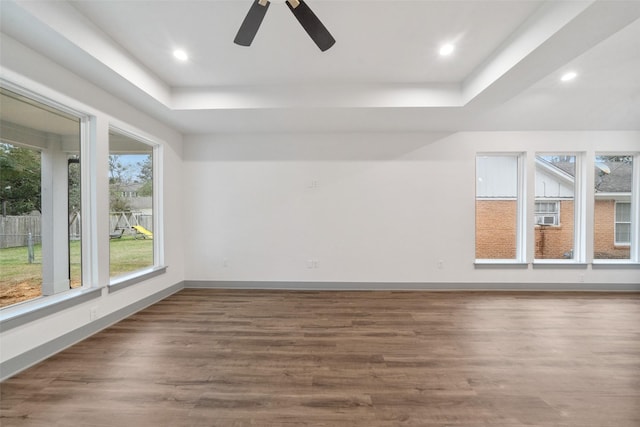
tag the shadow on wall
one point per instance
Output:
(310, 147)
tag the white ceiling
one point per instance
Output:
(383, 74)
(283, 53)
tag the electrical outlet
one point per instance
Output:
(93, 313)
(440, 264)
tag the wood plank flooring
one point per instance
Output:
(282, 358)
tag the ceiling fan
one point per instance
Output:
(309, 21)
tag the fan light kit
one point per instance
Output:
(309, 21)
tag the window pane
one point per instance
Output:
(623, 233)
(496, 207)
(554, 192)
(131, 204)
(623, 212)
(612, 213)
(40, 197)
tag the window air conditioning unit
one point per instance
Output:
(545, 220)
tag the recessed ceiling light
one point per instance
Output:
(569, 76)
(446, 49)
(180, 55)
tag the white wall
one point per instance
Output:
(368, 207)
(32, 71)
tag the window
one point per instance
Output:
(613, 213)
(40, 237)
(623, 223)
(498, 207)
(558, 213)
(131, 217)
(555, 209)
(547, 213)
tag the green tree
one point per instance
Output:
(119, 177)
(19, 179)
(145, 176)
(74, 184)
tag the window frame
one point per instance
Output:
(28, 311)
(136, 276)
(634, 199)
(86, 124)
(521, 211)
(578, 250)
(92, 139)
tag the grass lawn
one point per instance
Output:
(128, 254)
(21, 281)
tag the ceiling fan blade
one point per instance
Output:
(251, 23)
(312, 25)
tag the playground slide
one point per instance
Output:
(140, 229)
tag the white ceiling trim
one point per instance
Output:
(319, 96)
(71, 25)
(562, 32)
(540, 27)
(552, 36)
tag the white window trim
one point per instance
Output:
(521, 232)
(634, 198)
(38, 308)
(158, 267)
(635, 210)
(583, 213)
(39, 94)
(579, 210)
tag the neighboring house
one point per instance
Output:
(131, 193)
(554, 209)
(139, 210)
(496, 209)
(612, 213)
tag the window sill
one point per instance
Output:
(500, 263)
(29, 311)
(615, 263)
(126, 280)
(558, 263)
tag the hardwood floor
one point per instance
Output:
(281, 358)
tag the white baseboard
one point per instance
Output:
(411, 286)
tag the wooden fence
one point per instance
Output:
(14, 230)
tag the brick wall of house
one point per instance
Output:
(604, 232)
(496, 229)
(496, 232)
(553, 242)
